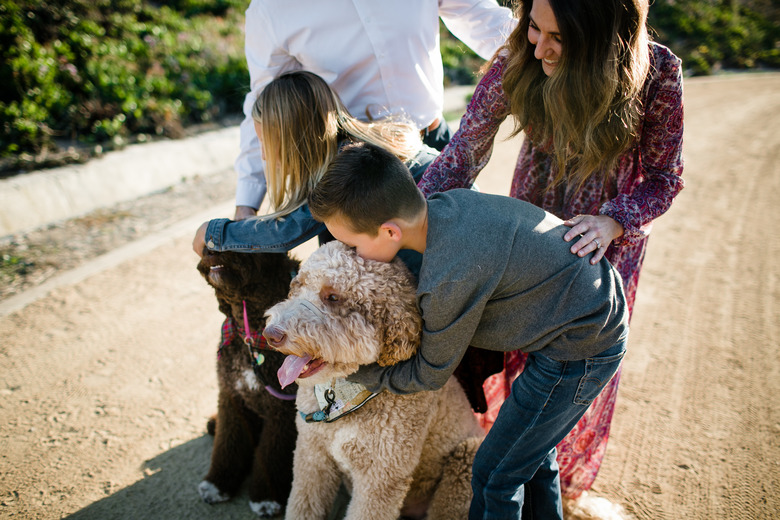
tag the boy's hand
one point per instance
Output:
(596, 232)
(199, 242)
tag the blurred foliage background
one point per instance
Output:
(78, 77)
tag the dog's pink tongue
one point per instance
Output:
(291, 368)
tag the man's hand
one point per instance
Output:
(244, 212)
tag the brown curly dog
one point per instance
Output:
(407, 455)
(255, 424)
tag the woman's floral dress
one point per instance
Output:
(641, 188)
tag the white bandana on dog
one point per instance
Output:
(337, 399)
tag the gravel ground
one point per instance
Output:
(29, 259)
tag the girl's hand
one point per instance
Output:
(199, 242)
(596, 232)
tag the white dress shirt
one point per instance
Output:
(381, 57)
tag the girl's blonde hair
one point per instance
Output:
(302, 121)
(588, 111)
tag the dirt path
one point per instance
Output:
(106, 384)
(697, 429)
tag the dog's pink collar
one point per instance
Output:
(250, 340)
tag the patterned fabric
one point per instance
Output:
(641, 188)
(230, 331)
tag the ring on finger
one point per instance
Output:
(598, 244)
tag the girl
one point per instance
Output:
(301, 124)
(602, 113)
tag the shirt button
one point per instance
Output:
(210, 244)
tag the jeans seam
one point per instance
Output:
(585, 378)
(549, 396)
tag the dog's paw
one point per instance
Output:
(266, 508)
(211, 493)
(211, 425)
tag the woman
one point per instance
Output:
(301, 124)
(601, 110)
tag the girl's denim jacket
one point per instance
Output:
(283, 234)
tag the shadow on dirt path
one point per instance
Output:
(169, 485)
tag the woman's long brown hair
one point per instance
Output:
(587, 112)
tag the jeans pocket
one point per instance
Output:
(598, 372)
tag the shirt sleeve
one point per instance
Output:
(483, 25)
(265, 59)
(660, 155)
(263, 236)
(449, 322)
(471, 146)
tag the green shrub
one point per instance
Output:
(101, 71)
(461, 64)
(709, 35)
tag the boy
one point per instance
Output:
(496, 274)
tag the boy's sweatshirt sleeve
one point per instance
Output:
(449, 322)
(429, 369)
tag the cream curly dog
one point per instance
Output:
(398, 455)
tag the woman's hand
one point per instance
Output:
(199, 242)
(596, 232)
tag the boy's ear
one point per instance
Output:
(391, 230)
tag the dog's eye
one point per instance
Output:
(329, 295)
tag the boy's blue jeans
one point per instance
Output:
(518, 453)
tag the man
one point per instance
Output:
(382, 58)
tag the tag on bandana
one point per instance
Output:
(339, 399)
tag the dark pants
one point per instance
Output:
(438, 137)
(518, 453)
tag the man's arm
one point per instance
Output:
(265, 59)
(483, 25)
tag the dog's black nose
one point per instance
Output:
(275, 336)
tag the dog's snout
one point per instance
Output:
(274, 335)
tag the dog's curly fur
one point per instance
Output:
(410, 454)
(254, 431)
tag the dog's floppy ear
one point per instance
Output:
(401, 321)
(402, 338)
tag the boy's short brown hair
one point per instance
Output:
(367, 186)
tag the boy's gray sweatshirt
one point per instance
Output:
(496, 274)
